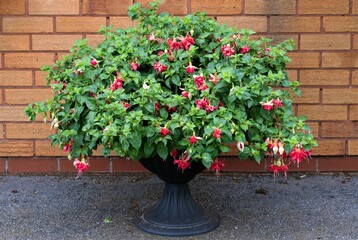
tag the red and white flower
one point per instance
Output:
(190, 68)
(240, 146)
(217, 166)
(267, 105)
(183, 162)
(227, 50)
(118, 82)
(244, 49)
(217, 133)
(159, 67)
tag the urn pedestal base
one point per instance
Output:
(176, 214)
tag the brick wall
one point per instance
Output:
(37, 32)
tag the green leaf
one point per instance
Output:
(224, 149)
(148, 149)
(162, 150)
(207, 160)
(135, 140)
(91, 104)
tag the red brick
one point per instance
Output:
(325, 42)
(32, 165)
(112, 7)
(98, 164)
(40, 78)
(28, 60)
(314, 128)
(126, 165)
(14, 42)
(353, 112)
(1, 131)
(15, 78)
(304, 60)
(323, 7)
(26, 96)
(292, 75)
(62, 54)
(340, 24)
(266, 7)
(355, 77)
(344, 129)
(338, 164)
(66, 165)
(2, 165)
(54, 7)
(323, 112)
(44, 148)
(217, 7)
(27, 24)
(12, 113)
(95, 165)
(355, 7)
(308, 165)
(257, 24)
(329, 148)
(16, 148)
(355, 41)
(79, 24)
(276, 39)
(340, 96)
(27, 131)
(340, 59)
(54, 42)
(309, 95)
(324, 77)
(234, 164)
(295, 24)
(12, 7)
(94, 40)
(121, 22)
(352, 147)
(173, 7)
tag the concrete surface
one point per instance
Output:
(250, 206)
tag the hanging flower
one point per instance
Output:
(244, 49)
(298, 154)
(267, 105)
(164, 131)
(183, 162)
(190, 68)
(217, 133)
(173, 44)
(159, 67)
(227, 50)
(240, 146)
(217, 166)
(134, 66)
(118, 82)
(187, 42)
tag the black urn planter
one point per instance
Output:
(176, 214)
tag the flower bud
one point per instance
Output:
(281, 150)
(240, 146)
(275, 149)
(145, 86)
(69, 157)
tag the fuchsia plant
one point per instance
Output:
(184, 86)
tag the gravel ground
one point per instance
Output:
(250, 206)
